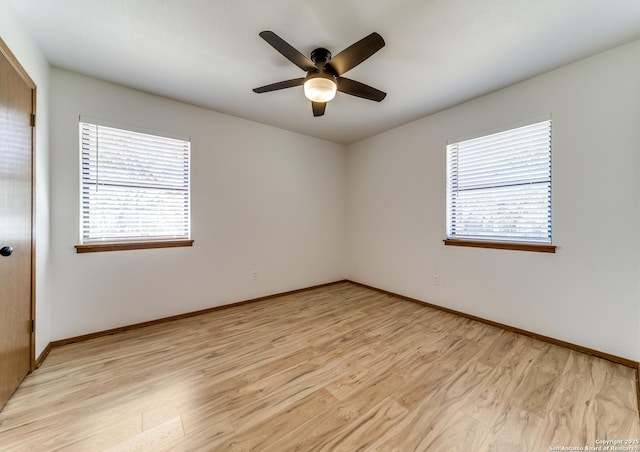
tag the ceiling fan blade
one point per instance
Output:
(288, 51)
(318, 108)
(348, 86)
(280, 85)
(356, 53)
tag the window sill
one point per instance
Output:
(121, 246)
(518, 246)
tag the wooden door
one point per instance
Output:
(16, 245)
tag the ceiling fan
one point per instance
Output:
(324, 72)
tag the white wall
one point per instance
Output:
(263, 199)
(587, 293)
(31, 58)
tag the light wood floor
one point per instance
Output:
(335, 368)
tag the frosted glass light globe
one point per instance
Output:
(320, 89)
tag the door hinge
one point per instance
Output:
(33, 120)
(33, 326)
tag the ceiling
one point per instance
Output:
(438, 53)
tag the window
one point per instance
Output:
(499, 189)
(135, 188)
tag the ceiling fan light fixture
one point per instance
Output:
(320, 87)
(324, 71)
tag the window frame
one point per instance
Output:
(113, 244)
(498, 242)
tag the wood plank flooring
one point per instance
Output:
(340, 368)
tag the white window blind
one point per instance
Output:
(135, 186)
(499, 186)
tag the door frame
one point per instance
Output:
(13, 61)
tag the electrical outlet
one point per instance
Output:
(254, 276)
(436, 280)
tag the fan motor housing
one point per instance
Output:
(320, 56)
